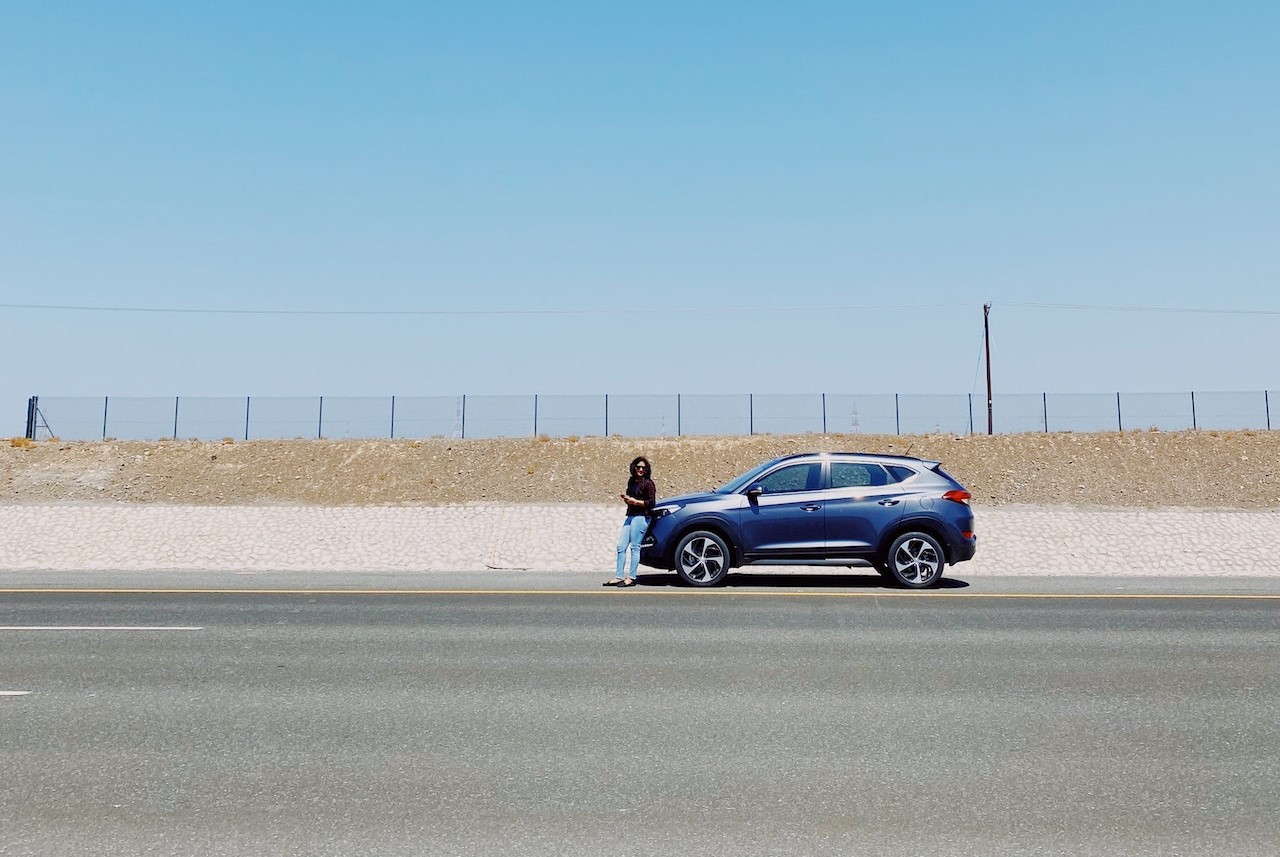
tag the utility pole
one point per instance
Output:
(986, 340)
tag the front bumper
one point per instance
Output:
(650, 555)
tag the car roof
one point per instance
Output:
(876, 456)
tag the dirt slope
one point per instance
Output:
(1197, 469)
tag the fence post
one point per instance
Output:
(1194, 426)
(175, 416)
(897, 415)
(677, 415)
(105, 401)
(1266, 401)
(606, 414)
(393, 417)
(320, 421)
(751, 413)
(971, 413)
(33, 405)
(1119, 415)
(247, 399)
(1044, 407)
(535, 414)
(463, 433)
(824, 413)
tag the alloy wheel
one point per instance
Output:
(916, 560)
(702, 559)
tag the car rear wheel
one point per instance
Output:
(702, 559)
(916, 560)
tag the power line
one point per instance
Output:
(1169, 309)
(475, 312)
(977, 367)
(629, 311)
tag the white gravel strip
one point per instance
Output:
(1013, 540)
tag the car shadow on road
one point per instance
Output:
(764, 580)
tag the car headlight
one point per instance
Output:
(663, 511)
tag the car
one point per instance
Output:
(906, 517)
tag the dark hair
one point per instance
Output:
(648, 468)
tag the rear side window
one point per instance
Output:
(900, 474)
(856, 474)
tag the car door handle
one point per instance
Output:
(889, 502)
(811, 508)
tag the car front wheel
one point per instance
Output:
(916, 560)
(702, 559)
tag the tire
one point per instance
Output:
(702, 559)
(916, 560)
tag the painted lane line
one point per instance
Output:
(669, 593)
(15, 693)
(100, 628)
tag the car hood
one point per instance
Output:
(686, 499)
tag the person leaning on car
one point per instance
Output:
(640, 497)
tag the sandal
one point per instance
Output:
(631, 582)
(617, 581)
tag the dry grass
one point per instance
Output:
(1194, 469)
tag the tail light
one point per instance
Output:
(958, 496)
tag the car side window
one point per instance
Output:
(856, 474)
(797, 477)
(900, 474)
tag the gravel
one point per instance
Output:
(1143, 469)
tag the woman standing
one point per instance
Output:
(640, 496)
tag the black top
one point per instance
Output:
(642, 488)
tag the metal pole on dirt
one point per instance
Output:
(986, 341)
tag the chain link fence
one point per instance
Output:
(249, 418)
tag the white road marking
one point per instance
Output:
(101, 628)
(15, 693)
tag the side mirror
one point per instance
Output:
(755, 491)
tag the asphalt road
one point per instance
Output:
(767, 718)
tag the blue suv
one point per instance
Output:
(904, 516)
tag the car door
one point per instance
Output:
(863, 501)
(783, 516)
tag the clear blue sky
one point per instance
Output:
(658, 197)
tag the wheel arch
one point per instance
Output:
(916, 525)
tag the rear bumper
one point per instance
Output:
(963, 549)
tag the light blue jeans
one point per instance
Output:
(630, 537)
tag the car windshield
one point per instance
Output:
(745, 479)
